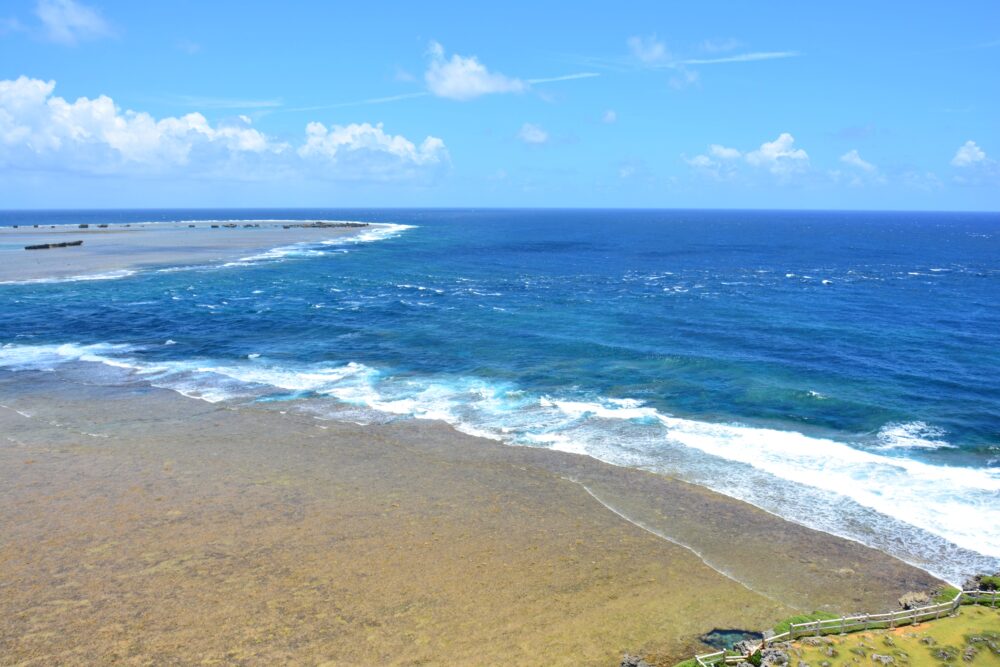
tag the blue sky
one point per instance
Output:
(887, 105)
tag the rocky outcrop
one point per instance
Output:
(983, 582)
(914, 599)
(633, 661)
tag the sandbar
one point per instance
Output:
(117, 249)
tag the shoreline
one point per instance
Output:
(579, 541)
(116, 250)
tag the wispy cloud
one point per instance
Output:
(652, 53)
(68, 22)
(533, 134)
(359, 103)
(740, 58)
(458, 78)
(565, 77)
(223, 102)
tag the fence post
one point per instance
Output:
(843, 623)
(866, 621)
(817, 628)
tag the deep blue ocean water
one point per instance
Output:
(839, 369)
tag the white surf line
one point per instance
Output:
(662, 536)
(23, 414)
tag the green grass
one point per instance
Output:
(970, 639)
(786, 624)
(944, 594)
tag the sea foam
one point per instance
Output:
(945, 519)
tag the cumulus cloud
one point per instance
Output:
(853, 158)
(42, 131)
(532, 134)
(369, 153)
(969, 154)
(779, 157)
(974, 166)
(69, 21)
(464, 77)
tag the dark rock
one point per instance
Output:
(773, 656)
(946, 654)
(46, 246)
(969, 653)
(914, 599)
(883, 659)
(84, 226)
(633, 661)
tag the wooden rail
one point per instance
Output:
(847, 624)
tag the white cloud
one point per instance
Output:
(862, 173)
(780, 156)
(721, 163)
(853, 158)
(367, 150)
(69, 21)
(648, 50)
(743, 58)
(41, 131)
(610, 116)
(464, 77)
(969, 154)
(724, 153)
(532, 134)
(974, 166)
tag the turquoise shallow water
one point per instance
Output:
(839, 369)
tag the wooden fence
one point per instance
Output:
(846, 624)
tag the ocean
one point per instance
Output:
(839, 369)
